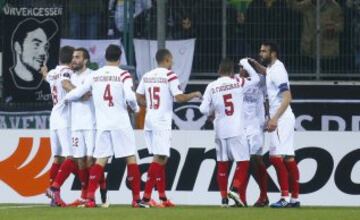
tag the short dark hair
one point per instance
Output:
(273, 46)
(112, 53)
(226, 66)
(161, 54)
(85, 52)
(49, 26)
(66, 54)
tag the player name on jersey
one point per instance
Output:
(226, 87)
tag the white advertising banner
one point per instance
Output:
(329, 164)
(182, 51)
(96, 49)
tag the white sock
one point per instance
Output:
(293, 200)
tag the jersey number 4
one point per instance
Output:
(229, 105)
(107, 96)
(154, 93)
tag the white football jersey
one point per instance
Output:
(254, 96)
(60, 113)
(111, 89)
(82, 112)
(277, 81)
(225, 98)
(159, 86)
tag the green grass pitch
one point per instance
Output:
(38, 212)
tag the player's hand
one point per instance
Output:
(86, 97)
(211, 117)
(44, 71)
(272, 124)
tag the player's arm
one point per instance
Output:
(205, 106)
(140, 94)
(285, 102)
(187, 97)
(79, 91)
(254, 78)
(130, 95)
(257, 66)
(66, 80)
(177, 93)
(280, 80)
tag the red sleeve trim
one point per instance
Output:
(122, 74)
(169, 73)
(125, 78)
(172, 78)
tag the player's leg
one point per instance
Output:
(69, 165)
(262, 180)
(258, 166)
(125, 147)
(222, 173)
(57, 154)
(58, 159)
(291, 164)
(158, 143)
(279, 146)
(103, 151)
(79, 151)
(239, 152)
(293, 170)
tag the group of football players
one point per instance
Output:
(90, 123)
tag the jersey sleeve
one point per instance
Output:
(141, 87)
(205, 106)
(79, 91)
(129, 94)
(174, 84)
(280, 79)
(65, 74)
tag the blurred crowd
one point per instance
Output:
(291, 23)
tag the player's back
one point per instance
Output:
(82, 112)
(159, 107)
(227, 99)
(109, 98)
(60, 114)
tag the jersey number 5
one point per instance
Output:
(107, 96)
(229, 105)
(154, 93)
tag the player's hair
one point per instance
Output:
(65, 54)
(226, 67)
(112, 53)
(273, 46)
(85, 52)
(161, 55)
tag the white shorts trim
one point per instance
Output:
(233, 148)
(83, 143)
(282, 139)
(158, 142)
(119, 143)
(60, 140)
